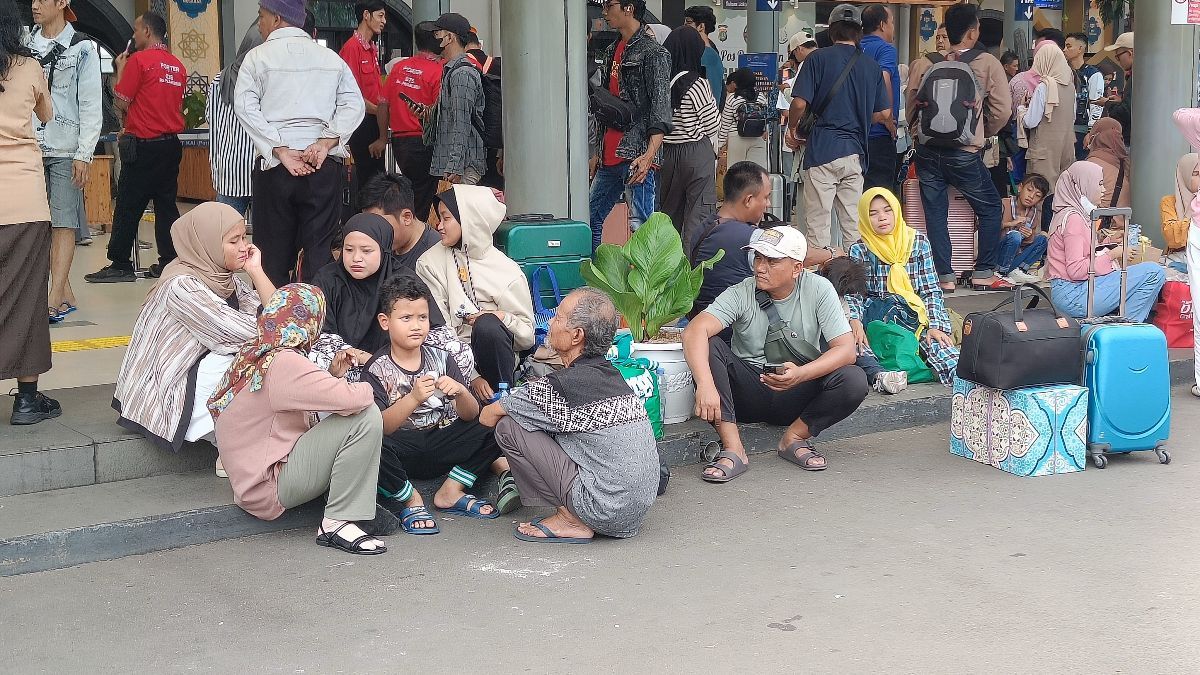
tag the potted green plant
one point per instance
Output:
(652, 283)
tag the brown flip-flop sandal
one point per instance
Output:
(730, 472)
(802, 461)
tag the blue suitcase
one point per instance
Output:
(1127, 373)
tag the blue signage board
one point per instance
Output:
(766, 69)
(1048, 4)
(1024, 10)
(769, 5)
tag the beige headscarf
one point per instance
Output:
(1052, 67)
(1183, 195)
(199, 237)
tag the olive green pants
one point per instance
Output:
(339, 455)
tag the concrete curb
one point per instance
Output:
(107, 541)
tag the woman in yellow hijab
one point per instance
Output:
(902, 285)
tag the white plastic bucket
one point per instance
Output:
(676, 391)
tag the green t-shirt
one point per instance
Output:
(813, 310)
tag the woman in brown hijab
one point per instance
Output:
(191, 325)
(1106, 147)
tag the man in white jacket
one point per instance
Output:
(72, 67)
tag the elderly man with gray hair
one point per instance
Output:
(579, 439)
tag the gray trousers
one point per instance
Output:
(544, 473)
(339, 455)
(687, 184)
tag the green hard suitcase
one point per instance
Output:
(536, 239)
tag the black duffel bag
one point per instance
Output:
(1024, 347)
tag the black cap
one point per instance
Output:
(455, 23)
(846, 12)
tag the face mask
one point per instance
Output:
(442, 45)
(1087, 204)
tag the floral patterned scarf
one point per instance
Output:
(291, 319)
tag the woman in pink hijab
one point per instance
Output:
(1188, 121)
(1078, 191)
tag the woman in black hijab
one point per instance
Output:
(687, 180)
(352, 285)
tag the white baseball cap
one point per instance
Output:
(1124, 41)
(779, 242)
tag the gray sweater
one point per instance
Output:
(602, 426)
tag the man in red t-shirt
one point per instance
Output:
(362, 55)
(413, 86)
(149, 96)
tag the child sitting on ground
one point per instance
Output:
(1022, 247)
(429, 419)
(902, 286)
(849, 277)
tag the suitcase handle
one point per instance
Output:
(538, 307)
(1091, 282)
(1019, 302)
(531, 217)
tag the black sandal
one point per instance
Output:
(332, 540)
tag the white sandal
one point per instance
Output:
(219, 469)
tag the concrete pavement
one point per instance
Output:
(900, 558)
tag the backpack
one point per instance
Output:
(56, 52)
(948, 101)
(489, 125)
(493, 108)
(752, 119)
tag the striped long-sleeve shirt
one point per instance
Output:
(696, 117)
(729, 119)
(230, 150)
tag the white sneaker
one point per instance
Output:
(1019, 276)
(891, 382)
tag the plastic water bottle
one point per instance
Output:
(1135, 234)
(503, 391)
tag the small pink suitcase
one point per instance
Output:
(960, 220)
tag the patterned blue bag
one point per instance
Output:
(541, 315)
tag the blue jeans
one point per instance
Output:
(940, 168)
(1144, 282)
(1014, 255)
(607, 187)
(240, 204)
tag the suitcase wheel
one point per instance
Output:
(1164, 455)
(1100, 461)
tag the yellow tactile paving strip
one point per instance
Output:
(94, 343)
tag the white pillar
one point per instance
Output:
(545, 106)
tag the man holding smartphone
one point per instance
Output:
(735, 383)
(412, 88)
(149, 97)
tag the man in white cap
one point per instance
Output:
(1120, 106)
(781, 309)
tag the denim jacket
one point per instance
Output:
(645, 81)
(77, 98)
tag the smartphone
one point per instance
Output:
(772, 369)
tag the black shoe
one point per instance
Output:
(154, 271)
(393, 506)
(110, 275)
(34, 408)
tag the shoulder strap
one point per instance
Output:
(969, 55)
(935, 57)
(1106, 221)
(676, 78)
(704, 235)
(487, 64)
(766, 304)
(837, 85)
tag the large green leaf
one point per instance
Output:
(654, 249)
(611, 263)
(628, 304)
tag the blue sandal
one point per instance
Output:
(471, 507)
(412, 514)
(550, 537)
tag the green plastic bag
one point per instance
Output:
(897, 349)
(640, 376)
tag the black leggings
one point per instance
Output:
(819, 403)
(492, 344)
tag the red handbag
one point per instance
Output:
(1173, 314)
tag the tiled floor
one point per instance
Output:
(105, 310)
